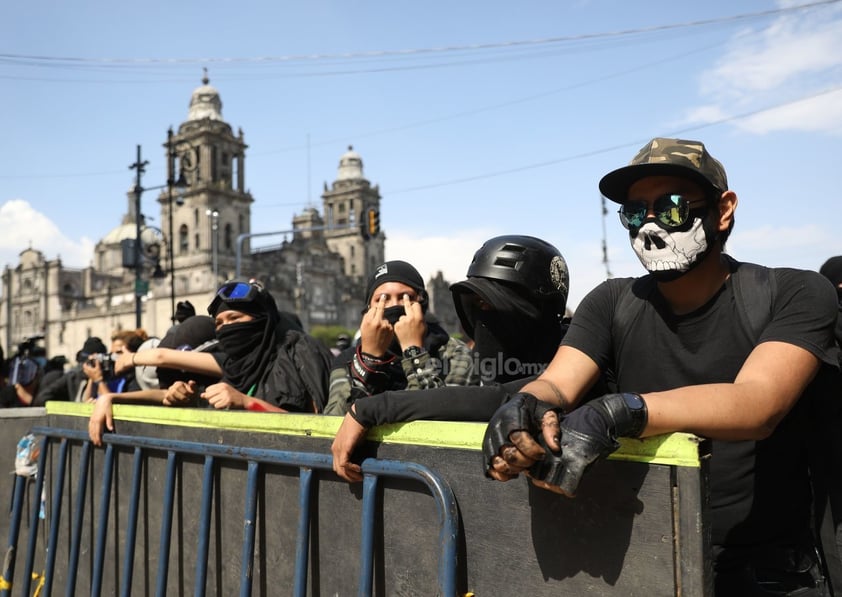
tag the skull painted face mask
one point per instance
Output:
(669, 254)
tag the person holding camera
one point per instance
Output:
(70, 386)
(99, 367)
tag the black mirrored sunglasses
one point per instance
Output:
(672, 210)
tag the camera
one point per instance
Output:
(106, 364)
(27, 364)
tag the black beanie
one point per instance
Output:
(394, 271)
(183, 310)
(94, 345)
(832, 270)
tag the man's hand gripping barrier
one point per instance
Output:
(589, 433)
(523, 412)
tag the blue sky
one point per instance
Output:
(474, 118)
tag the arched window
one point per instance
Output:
(183, 242)
(229, 237)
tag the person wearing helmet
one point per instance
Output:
(512, 304)
(401, 345)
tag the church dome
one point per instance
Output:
(148, 236)
(350, 165)
(205, 102)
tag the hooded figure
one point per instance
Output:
(512, 305)
(267, 355)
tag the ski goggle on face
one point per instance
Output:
(235, 292)
(671, 210)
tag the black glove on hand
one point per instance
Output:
(523, 412)
(590, 432)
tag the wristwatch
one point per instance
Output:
(413, 352)
(633, 401)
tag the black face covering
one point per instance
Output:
(239, 339)
(486, 344)
(392, 314)
(516, 338)
(251, 348)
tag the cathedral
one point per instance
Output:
(318, 272)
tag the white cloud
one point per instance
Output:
(24, 227)
(804, 247)
(798, 57)
(431, 254)
(776, 237)
(819, 114)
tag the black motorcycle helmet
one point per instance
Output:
(533, 267)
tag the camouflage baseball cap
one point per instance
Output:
(666, 157)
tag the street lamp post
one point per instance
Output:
(140, 167)
(171, 244)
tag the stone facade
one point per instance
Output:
(318, 272)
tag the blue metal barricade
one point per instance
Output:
(176, 451)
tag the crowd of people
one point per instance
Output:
(702, 343)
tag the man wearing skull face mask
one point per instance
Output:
(270, 363)
(690, 356)
(401, 346)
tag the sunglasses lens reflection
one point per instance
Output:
(671, 210)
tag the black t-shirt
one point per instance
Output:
(759, 489)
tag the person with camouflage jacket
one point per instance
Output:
(401, 345)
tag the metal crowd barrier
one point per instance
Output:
(374, 471)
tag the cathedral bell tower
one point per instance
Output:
(212, 206)
(345, 204)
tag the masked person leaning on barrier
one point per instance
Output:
(401, 346)
(270, 364)
(171, 372)
(512, 304)
(703, 344)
